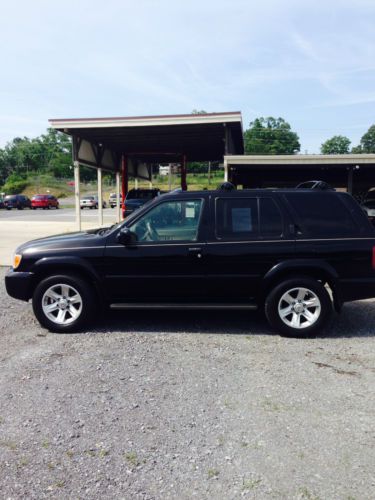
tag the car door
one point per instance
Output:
(249, 237)
(166, 261)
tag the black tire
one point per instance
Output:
(88, 303)
(273, 300)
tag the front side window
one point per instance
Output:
(169, 221)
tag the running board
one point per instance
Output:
(161, 306)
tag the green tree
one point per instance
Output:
(271, 136)
(338, 144)
(368, 141)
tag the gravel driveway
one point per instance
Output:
(183, 405)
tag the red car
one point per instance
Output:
(45, 201)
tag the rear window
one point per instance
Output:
(39, 197)
(140, 195)
(323, 215)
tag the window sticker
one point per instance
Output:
(190, 212)
(241, 220)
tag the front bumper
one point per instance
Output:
(19, 285)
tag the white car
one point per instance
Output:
(91, 202)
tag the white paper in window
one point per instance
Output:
(241, 220)
(190, 212)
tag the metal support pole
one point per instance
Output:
(77, 195)
(183, 174)
(136, 183)
(170, 178)
(225, 171)
(118, 204)
(100, 197)
(124, 165)
(209, 172)
(350, 180)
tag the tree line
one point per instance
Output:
(51, 153)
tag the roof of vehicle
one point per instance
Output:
(244, 192)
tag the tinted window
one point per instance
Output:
(236, 218)
(170, 221)
(322, 214)
(270, 218)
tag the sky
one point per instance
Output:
(309, 62)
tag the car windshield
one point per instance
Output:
(11, 197)
(39, 197)
(88, 198)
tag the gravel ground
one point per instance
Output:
(183, 405)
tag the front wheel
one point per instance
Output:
(64, 303)
(298, 307)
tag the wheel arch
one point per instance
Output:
(75, 266)
(319, 270)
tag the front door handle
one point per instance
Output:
(195, 251)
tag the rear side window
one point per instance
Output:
(237, 218)
(323, 215)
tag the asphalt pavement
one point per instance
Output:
(61, 215)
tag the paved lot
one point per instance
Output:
(203, 405)
(18, 226)
(61, 215)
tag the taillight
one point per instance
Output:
(373, 258)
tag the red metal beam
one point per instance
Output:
(183, 174)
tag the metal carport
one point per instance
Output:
(130, 145)
(353, 172)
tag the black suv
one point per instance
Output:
(136, 198)
(296, 253)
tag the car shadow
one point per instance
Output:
(355, 320)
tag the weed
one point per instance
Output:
(212, 473)
(306, 494)
(45, 444)
(11, 445)
(23, 462)
(250, 484)
(132, 458)
(69, 453)
(103, 453)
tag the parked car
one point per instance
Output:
(91, 202)
(18, 201)
(45, 201)
(368, 207)
(113, 200)
(136, 198)
(1, 202)
(295, 254)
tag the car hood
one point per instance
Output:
(67, 240)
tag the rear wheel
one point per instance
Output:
(64, 303)
(298, 307)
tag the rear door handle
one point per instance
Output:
(195, 251)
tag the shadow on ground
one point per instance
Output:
(355, 320)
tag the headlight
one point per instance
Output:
(17, 260)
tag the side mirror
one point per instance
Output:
(126, 237)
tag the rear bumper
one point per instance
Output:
(19, 285)
(356, 289)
